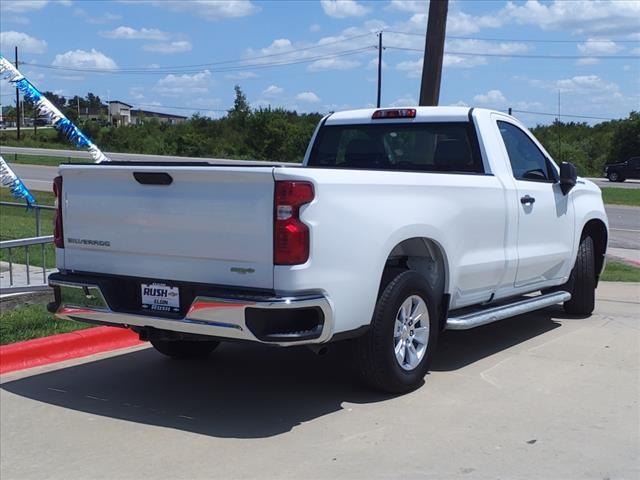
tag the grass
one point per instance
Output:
(620, 272)
(43, 160)
(32, 321)
(18, 222)
(621, 196)
(44, 138)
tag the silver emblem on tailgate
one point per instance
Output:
(87, 241)
(242, 271)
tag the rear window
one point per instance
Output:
(425, 147)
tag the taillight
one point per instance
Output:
(291, 236)
(58, 238)
(394, 113)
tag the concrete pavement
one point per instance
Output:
(537, 396)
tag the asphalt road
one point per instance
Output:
(624, 226)
(536, 396)
(125, 157)
(603, 182)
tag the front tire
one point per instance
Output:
(395, 354)
(615, 177)
(185, 348)
(582, 281)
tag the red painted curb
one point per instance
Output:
(64, 346)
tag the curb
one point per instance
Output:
(64, 346)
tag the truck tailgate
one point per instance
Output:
(211, 224)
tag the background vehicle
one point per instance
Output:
(400, 223)
(619, 172)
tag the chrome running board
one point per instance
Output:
(493, 314)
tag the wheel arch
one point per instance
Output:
(597, 230)
(427, 257)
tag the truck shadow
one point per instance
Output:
(245, 391)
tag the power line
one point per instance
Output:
(564, 115)
(231, 68)
(199, 66)
(521, 55)
(523, 40)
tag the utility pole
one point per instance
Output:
(17, 102)
(433, 53)
(379, 67)
(78, 106)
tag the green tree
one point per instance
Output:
(625, 141)
(241, 108)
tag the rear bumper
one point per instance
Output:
(279, 320)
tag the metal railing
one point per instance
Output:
(20, 275)
(26, 243)
(37, 213)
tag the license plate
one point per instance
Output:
(160, 297)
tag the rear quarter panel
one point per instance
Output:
(358, 216)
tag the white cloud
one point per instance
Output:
(272, 90)
(137, 93)
(459, 103)
(308, 97)
(460, 23)
(586, 84)
(587, 61)
(333, 64)
(404, 101)
(100, 19)
(25, 43)
(279, 45)
(412, 67)
(578, 16)
(373, 64)
(128, 33)
(462, 61)
(168, 47)
(210, 9)
(22, 6)
(415, 6)
(598, 46)
(177, 85)
(492, 97)
(84, 59)
(315, 28)
(343, 8)
(240, 76)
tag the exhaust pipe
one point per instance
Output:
(318, 349)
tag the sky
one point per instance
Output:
(185, 57)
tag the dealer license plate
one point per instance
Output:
(160, 297)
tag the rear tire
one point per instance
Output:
(396, 352)
(185, 348)
(582, 281)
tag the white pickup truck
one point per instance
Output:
(399, 224)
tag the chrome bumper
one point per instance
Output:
(210, 316)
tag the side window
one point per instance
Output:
(527, 161)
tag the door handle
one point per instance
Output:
(527, 200)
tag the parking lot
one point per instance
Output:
(536, 396)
